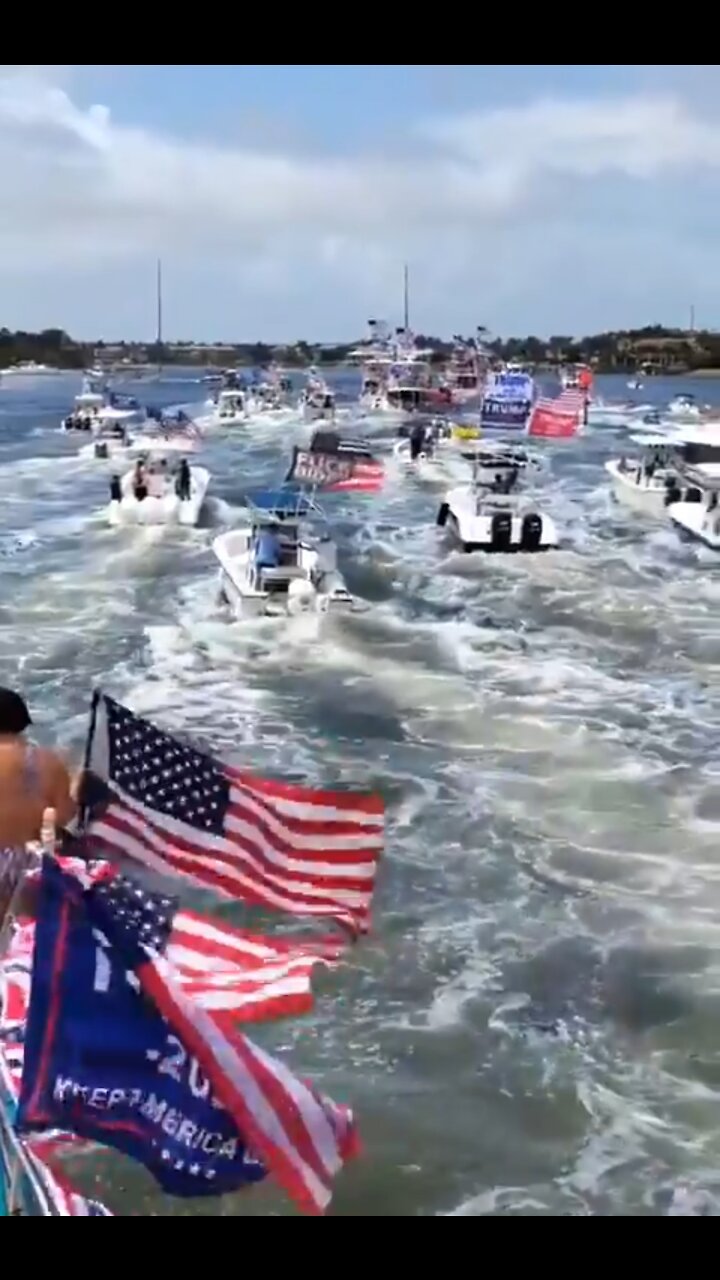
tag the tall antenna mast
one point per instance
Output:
(159, 314)
(407, 298)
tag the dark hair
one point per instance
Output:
(14, 715)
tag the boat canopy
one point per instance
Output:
(284, 503)
(706, 475)
(657, 442)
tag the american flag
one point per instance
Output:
(561, 418)
(367, 477)
(38, 1155)
(179, 812)
(64, 1199)
(234, 976)
(303, 1139)
(571, 401)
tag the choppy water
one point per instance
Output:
(535, 1027)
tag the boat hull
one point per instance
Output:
(314, 585)
(643, 499)
(695, 525)
(490, 547)
(168, 510)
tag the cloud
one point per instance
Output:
(88, 191)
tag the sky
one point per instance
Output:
(284, 200)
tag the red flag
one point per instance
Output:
(559, 419)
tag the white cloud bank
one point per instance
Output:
(82, 190)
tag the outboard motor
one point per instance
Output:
(532, 533)
(673, 493)
(502, 527)
(102, 453)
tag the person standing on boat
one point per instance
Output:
(184, 481)
(268, 549)
(33, 781)
(417, 441)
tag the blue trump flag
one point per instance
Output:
(505, 415)
(102, 1063)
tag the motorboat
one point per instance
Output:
(318, 402)
(426, 449)
(29, 369)
(152, 494)
(699, 520)
(466, 371)
(108, 443)
(164, 437)
(663, 469)
(269, 395)
(604, 413)
(230, 410)
(94, 410)
(686, 408)
(496, 523)
(306, 578)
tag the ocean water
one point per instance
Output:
(534, 1027)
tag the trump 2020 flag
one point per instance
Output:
(101, 1062)
(160, 802)
(158, 1077)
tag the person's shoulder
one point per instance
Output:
(52, 762)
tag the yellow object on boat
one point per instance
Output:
(467, 433)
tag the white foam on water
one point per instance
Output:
(547, 733)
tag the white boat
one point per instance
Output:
(307, 579)
(318, 403)
(163, 503)
(662, 472)
(494, 523)
(432, 461)
(29, 369)
(230, 410)
(113, 442)
(467, 370)
(686, 408)
(95, 410)
(700, 520)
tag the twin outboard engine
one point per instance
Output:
(502, 529)
(532, 533)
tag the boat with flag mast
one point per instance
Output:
(285, 562)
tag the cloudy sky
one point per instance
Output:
(285, 199)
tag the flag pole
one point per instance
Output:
(92, 732)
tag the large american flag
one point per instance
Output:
(303, 1139)
(561, 418)
(571, 401)
(179, 812)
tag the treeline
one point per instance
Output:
(654, 349)
(51, 347)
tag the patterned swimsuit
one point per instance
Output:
(14, 863)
